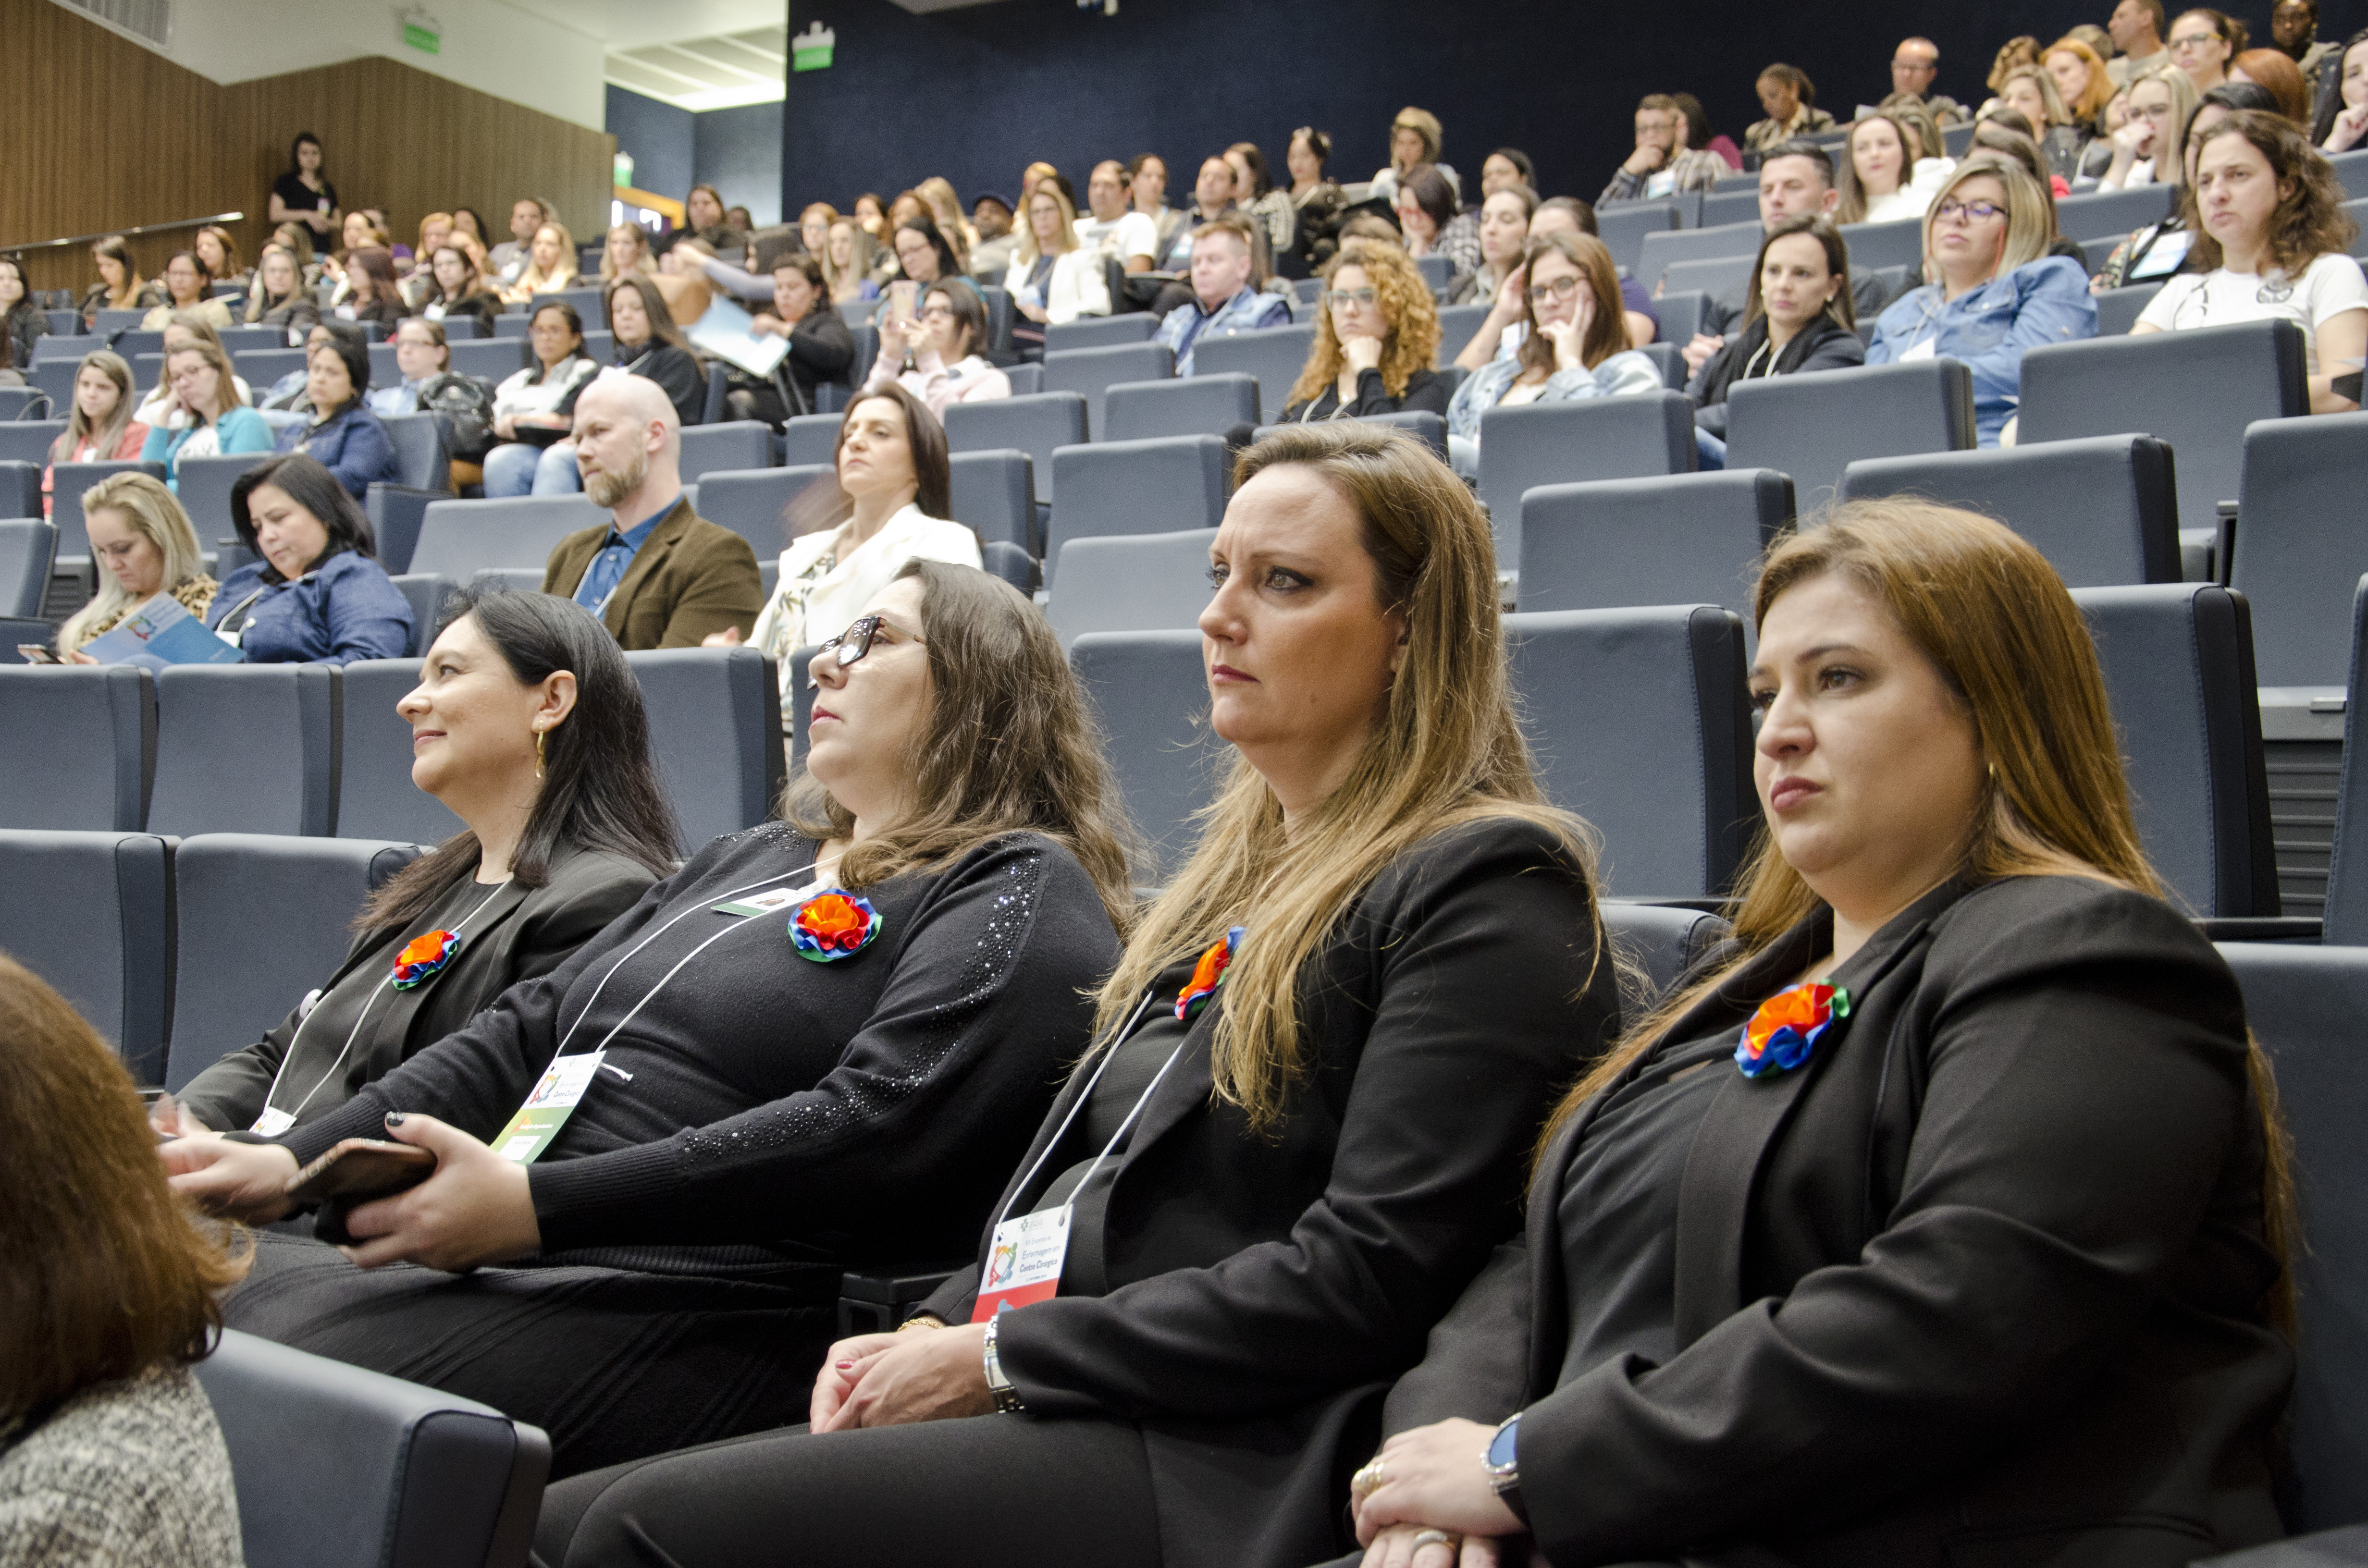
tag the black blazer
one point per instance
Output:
(1426, 393)
(523, 933)
(1981, 1282)
(1259, 1290)
(821, 348)
(1824, 345)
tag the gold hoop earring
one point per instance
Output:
(538, 753)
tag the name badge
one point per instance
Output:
(272, 1123)
(1663, 182)
(763, 903)
(1023, 1262)
(563, 1085)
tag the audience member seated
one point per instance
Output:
(702, 209)
(2069, 152)
(2270, 244)
(895, 498)
(1996, 291)
(1877, 179)
(1375, 338)
(2081, 81)
(1114, 227)
(922, 257)
(1564, 215)
(998, 239)
(2293, 28)
(1662, 164)
(847, 262)
(936, 354)
(510, 259)
(1914, 66)
(1273, 1185)
(278, 296)
(344, 436)
(2270, 68)
(1796, 180)
(119, 285)
(2146, 147)
(1416, 139)
(297, 240)
(820, 347)
(216, 418)
(1975, 1300)
(21, 321)
(189, 291)
(531, 729)
(1797, 319)
(1503, 228)
(2017, 51)
(945, 210)
(160, 409)
(421, 353)
(1789, 100)
(1223, 299)
(219, 251)
(317, 595)
(361, 233)
(657, 575)
(870, 217)
(1147, 185)
(1574, 343)
(814, 227)
(2159, 249)
(375, 298)
(534, 409)
(1317, 201)
(2202, 42)
(2136, 27)
(1212, 198)
(550, 265)
(111, 1456)
(650, 345)
(1053, 278)
(766, 1121)
(1254, 190)
(2342, 120)
(625, 249)
(100, 427)
(144, 545)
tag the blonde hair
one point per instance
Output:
(1852, 208)
(2030, 212)
(1423, 123)
(847, 285)
(2052, 109)
(154, 514)
(1407, 305)
(1062, 243)
(2169, 166)
(1444, 751)
(533, 279)
(641, 245)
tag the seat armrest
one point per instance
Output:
(876, 1303)
(2344, 1548)
(2261, 928)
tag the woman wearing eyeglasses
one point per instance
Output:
(820, 1046)
(937, 353)
(2202, 42)
(1374, 340)
(1992, 290)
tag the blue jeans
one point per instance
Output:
(517, 469)
(1710, 453)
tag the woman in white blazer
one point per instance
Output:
(1053, 278)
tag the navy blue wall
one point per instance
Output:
(738, 150)
(975, 94)
(661, 138)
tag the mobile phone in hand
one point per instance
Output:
(34, 654)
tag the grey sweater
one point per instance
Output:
(130, 1474)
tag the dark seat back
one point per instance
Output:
(1131, 583)
(1101, 332)
(1639, 436)
(80, 747)
(376, 798)
(1622, 227)
(995, 493)
(20, 488)
(1209, 403)
(426, 592)
(755, 503)
(1456, 325)
(2118, 309)
(205, 486)
(1815, 426)
(716, 732)
(28, 546)
(418, 451)
(1683, 539)
(2299, 548)
(1275, 355)
(1135, 487)
(1035, 424)
(1091, 371)
(457, 539)
(1152, 702)
(734, 447)
(811, 439)
(1729, 240)
(246, 749)
(92, 913)
(2346, 861)
(1897, 244)
(1659, 943)
(30, 440)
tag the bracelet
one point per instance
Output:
(1006, 1398)
(920, 1320)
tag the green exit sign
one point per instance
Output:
(424, 34)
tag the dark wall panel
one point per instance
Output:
(738, 150)
(659, 136)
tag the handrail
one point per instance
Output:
(123, 234)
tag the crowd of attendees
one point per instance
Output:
(1926, 1195)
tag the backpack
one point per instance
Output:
(463, 407)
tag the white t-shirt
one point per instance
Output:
(1130, 233)
(2328, 286)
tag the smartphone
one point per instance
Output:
(361, 1168)
(34, 654)
(901, 296)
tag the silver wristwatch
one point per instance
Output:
(1006, 1398)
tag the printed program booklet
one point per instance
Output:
(162, 633)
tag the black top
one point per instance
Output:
(1982, 1279)
(1824, 345)
(821, 348)
(1425, 391)
(676, 371)
(512, 933)
(24, 323)
(484, 306)
(297, 197)
(847, 1113)
(1256, 1289)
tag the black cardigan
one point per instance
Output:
(821, 348)
(1825, 344)
(1425, 391)
(857, 1112)
(1264, 1288)
(677, 371)
(1980, 1282)
(522, 933)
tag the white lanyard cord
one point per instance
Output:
(637, 947)
(1086, 1093)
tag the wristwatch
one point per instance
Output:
(1504, 1469)
(1006, 1398)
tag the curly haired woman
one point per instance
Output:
(1375, 339)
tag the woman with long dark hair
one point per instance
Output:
(529, 724)
(21, 321)
(119, 285)
(650, 345)
(304, 195)
(1797, 319)
(816, 1047)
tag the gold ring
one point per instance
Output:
(1433, 1538)
(1367, 1480)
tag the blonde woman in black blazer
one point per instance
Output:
(1976, 1258)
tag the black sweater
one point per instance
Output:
(859, 1111)
(1824, 345)
(1425, 391)
(677, 371)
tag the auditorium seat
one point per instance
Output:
(21, 490)
(28, 545)
(1101, 332)
(1001, 558)
(2104, 510)
(999, 312)
(734, 447)
(2177, 661)
(1737, 204)
(244, 748)
(1725, 241)
(30, 440)
(1151, 699)
(2118, 309)
(426, 592)
(1622, 226)
(1669, 362)
(263, 366)
(420, 463)
(2351, 172)
(513, 579)
(139, 343)
(375, 796)
(1090, 371)
(1681, 315)
(260, 919)
(341, 1468)
(1026, 381)
(1638, 719)
(2347, 868)
(72, 345)
(17, 403)
(1422, 424)
(1206, 405)
(811, 439)
(1815, 426)
(753, 502)
(92, 913)
(1456, 325)
(1135, 487)
(457, 538)
(2115, 212)
(494, 359)
(1659, 943)
(1275, 355)
(2196, 391)
(1898, 244)
(995, 493)
(1437, 271)
(2300, 548)
(715, 730)
(586, 301)
(205, 486)
(54, 379)
(1682, 539)
(1639, 436)
(81, 747)
(238, 338)
(1034, 425)
(1710, 276)
(1131, 583)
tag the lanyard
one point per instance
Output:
(1079, 1104)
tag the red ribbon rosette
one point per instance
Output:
(1207, 975)
(1788, 1026)
(833, 924)
(424, 957)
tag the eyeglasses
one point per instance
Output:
(1558, 289)
(2194, 40)
(856, 641)
(1342, 299)
(1968, 211)
(937, 312)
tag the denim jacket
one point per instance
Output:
(352, 445)
(344, 609)
(2039, 303)
(1187, 326)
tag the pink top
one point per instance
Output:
(136, 436)
(936, 383)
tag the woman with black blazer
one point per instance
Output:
(649, 345)
(1797, 319)
(816, 1047)
(821, 346)
(1324, 1055)
(1938, 1221)
(558, 842)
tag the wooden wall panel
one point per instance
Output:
(103, 133)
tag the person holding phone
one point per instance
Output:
(937, 354)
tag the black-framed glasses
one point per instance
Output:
(1563, 287)
(1968, 211)
(1342, 299)
(857, 639)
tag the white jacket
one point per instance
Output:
(1077, 287)
(822, 591)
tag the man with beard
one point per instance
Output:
(657, 575)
